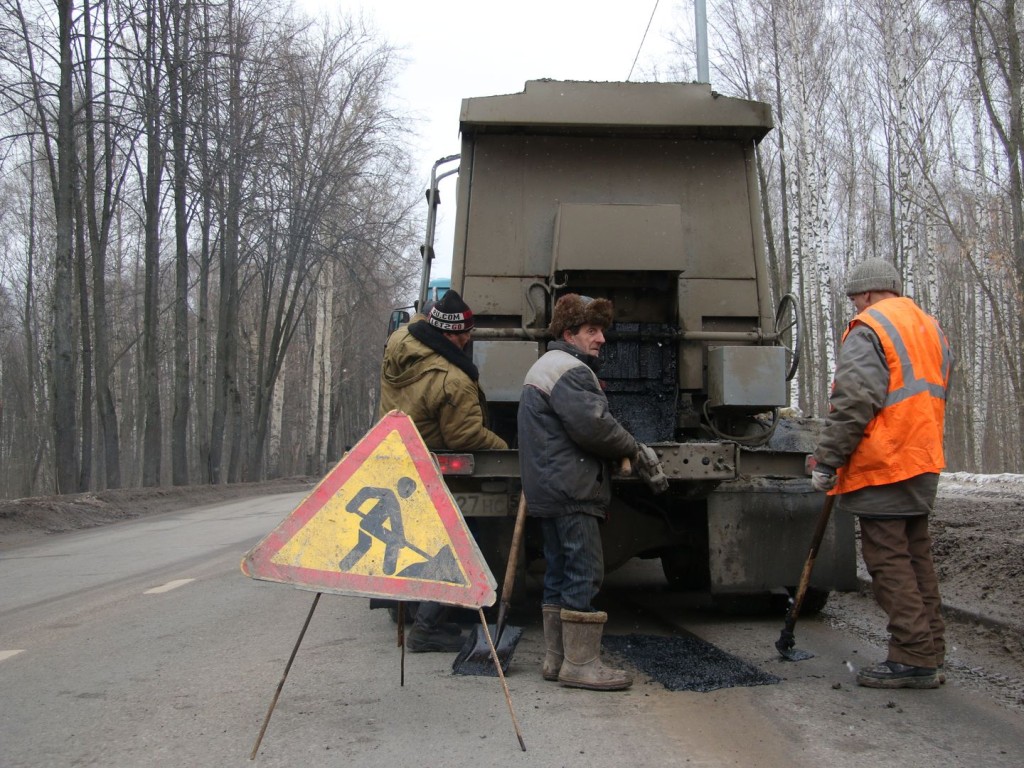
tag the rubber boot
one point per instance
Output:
(581, 642)
(428, 633)
(552, 641)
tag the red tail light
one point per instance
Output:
(455, 463)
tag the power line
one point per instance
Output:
(653, 11)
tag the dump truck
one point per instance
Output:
(645, 194)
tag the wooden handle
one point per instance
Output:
(510, 567)
(625, 467)
(513, 554)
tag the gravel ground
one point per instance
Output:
(978, 534)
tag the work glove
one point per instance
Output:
(648, 467)
(823, 478)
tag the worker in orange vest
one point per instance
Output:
(881, 452)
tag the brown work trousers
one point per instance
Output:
(898, 554)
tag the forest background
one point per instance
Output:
(208, 209)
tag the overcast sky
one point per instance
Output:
(461, 48)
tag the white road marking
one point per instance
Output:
(168, 586)
(4, 655)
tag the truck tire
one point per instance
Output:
(771, 603)
(745, 604)
(814, 601)
(685, 569)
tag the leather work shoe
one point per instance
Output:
(433, 641)
(892, 674)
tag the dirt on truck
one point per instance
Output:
(645, 194)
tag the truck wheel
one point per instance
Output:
(685, 569)
(744, 604)
(814, 601)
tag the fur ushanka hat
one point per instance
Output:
(573, 310)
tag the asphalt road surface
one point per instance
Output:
(142, 644)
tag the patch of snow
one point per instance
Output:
(962, 478)
(1004, 485)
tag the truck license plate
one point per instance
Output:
(482, 504)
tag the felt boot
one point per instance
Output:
(552, 641)
(581, 643)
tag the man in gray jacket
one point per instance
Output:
(568, 444)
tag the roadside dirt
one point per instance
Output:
(978, 532)
(23, 520)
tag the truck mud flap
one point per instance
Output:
(759, 532)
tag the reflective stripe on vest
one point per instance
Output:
(912, 384)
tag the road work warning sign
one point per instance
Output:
(382, 523)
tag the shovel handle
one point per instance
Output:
(812, 555)
(513, 561)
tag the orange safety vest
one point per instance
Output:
(904, 439)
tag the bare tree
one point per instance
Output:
(332, 132)
(102, 178)
(65, 423)
(176, 27)
(995, 31)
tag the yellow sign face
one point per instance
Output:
(375, 525)
(382, 523)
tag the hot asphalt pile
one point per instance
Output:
(685, 663)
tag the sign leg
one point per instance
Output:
(401, 642)
(280, 685)
(504, 685)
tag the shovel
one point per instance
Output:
(786, 640)
(475, 657)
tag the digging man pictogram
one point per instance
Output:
(383, 522)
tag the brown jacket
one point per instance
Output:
(446, 405)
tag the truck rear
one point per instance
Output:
(645, 194)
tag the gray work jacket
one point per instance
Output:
(567, 436)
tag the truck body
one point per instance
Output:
(645, 194)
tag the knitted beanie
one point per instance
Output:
(573, 310)
(451, 314)
(874, 275)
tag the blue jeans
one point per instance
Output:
(575, 560)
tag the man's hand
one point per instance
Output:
(823, 478)
(648, 466)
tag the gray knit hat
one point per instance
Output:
(874, 275)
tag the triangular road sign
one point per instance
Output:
(382, 523)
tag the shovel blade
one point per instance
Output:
(795, 654)
(475, 657)
(784, 645)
